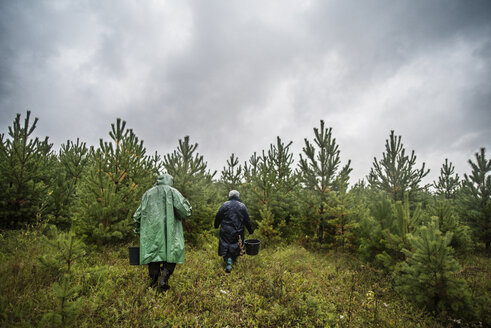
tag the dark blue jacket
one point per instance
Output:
(231, 218)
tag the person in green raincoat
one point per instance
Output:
(158, 222)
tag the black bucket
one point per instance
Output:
(252, 246)
(134, 253)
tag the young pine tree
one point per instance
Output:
(341, 215)
(396, 172)
(257, 195)
(404, 222)
(231, 177)
(320, 175)
(285, 182)
(477, 197)
(68, 249)
(118, 173)
(374, 226)
(427, 277)
(447, 183)
(194, 181)
(24, 174)
(69, 166)
(270, 183)
(444, 210)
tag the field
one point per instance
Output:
(285, 286)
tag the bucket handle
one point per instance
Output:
(242, 247)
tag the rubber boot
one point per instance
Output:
(154, 280)
(228, 268)
(164, 281)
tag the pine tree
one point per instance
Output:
(185, 166)
(427, 277)
(373, 227)
(118, 173)
(444, 211)
(257, 194)
(68, 250)
(404, 221)
(477, 197)
(258, 179)
(69, 168)
(396, 172)
(269, 189)
(384, 229)
(447, 184)
(276, 178)
(24, 174)
(73, 158)
(320, 174)
(340, 215)
(285, 182)
(231, 177)
(319, 167)
(195, 182)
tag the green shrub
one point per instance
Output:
(427, 277)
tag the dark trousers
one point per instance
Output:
(155, 267)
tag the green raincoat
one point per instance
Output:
(158, 221)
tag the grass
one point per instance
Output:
(280, 287)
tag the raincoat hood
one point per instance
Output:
(165, 179)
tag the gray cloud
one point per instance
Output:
(233, 75)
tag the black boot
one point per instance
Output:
(154, 273)
(164, 281)
(154, 279)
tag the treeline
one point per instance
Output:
(414, 232)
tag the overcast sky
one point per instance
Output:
(233, 75)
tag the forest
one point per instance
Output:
(386, 251)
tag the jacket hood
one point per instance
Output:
(165, 179)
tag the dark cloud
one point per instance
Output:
(234, 75)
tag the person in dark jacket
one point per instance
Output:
(231, 218)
